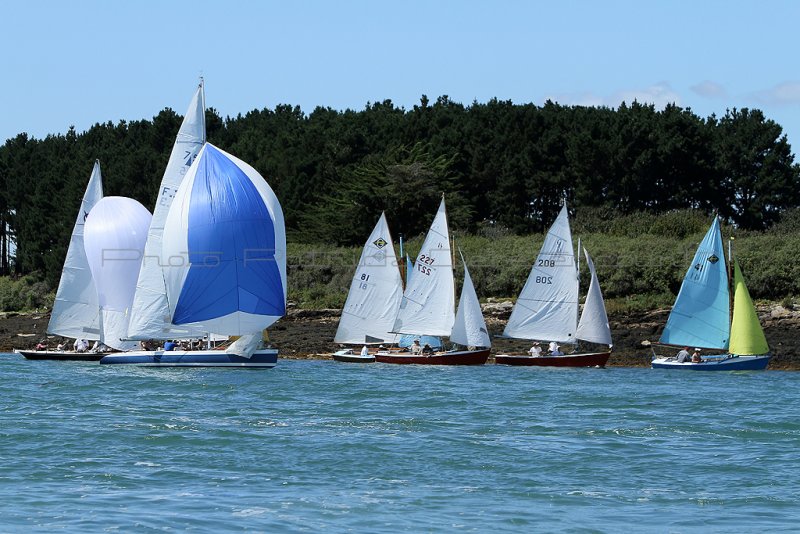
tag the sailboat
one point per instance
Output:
(428, 304)
(701, 315)
(547, 307)
(224, 243)
(76, 311)
(374, 297)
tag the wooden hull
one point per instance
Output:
(595, 359)
(64, 356)
(735, 363)
(262, 359)
(463, 357)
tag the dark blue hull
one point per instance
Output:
(735, 363)
(265, 359)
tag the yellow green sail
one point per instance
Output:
(747, 337)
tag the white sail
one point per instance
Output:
(115, 234)
(76, 311)
(593, 326)
(429, 300)
(150, 316)
(469, 328)
(375, 292)
(547, 307)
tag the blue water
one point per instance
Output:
(314, 445)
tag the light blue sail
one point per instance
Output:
(701, 314)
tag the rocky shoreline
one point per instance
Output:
(308, 334)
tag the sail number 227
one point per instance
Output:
(423, 264)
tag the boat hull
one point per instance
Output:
(263, 359)
(595, 359)
(734, 363)
(64, 356)
(463, 357)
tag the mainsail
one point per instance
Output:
(747, 337)
(593, 326)
(150, 315)
(428, 303)
(375, 292)
(701, 315)
(547, 307)
(76, 310)
(469, 328)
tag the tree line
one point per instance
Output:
(500, 165)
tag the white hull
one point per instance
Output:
(263, 358)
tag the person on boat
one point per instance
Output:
(427, 350)
(696, 356)
(683, 355)
(555, 350)
(364, 351)
(60, 347)
(416, 348)
(42, 345)
(169, 345)
(99, 346)
(535, 350)
(80, 345)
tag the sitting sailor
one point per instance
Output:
(535, 350)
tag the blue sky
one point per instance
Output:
(86, 61)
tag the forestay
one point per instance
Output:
(593, 326)
(232, 280)
(701, 316)
(76, 310)
(428, 303)
(547, 307)
(150, 315)
(375, 292)
(469, 328)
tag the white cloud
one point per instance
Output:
(659, 95)
(783, 94)
(709, 89)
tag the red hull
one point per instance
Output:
(596, 359)
(464, 357)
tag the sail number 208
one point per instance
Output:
(423, 264)
(545, 279)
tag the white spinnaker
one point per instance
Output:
(375, 292)
(547, 307)
(150, 316)
(76, 310)
(428, 305)
(115, 233)
(469, 328)
(593, 326)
